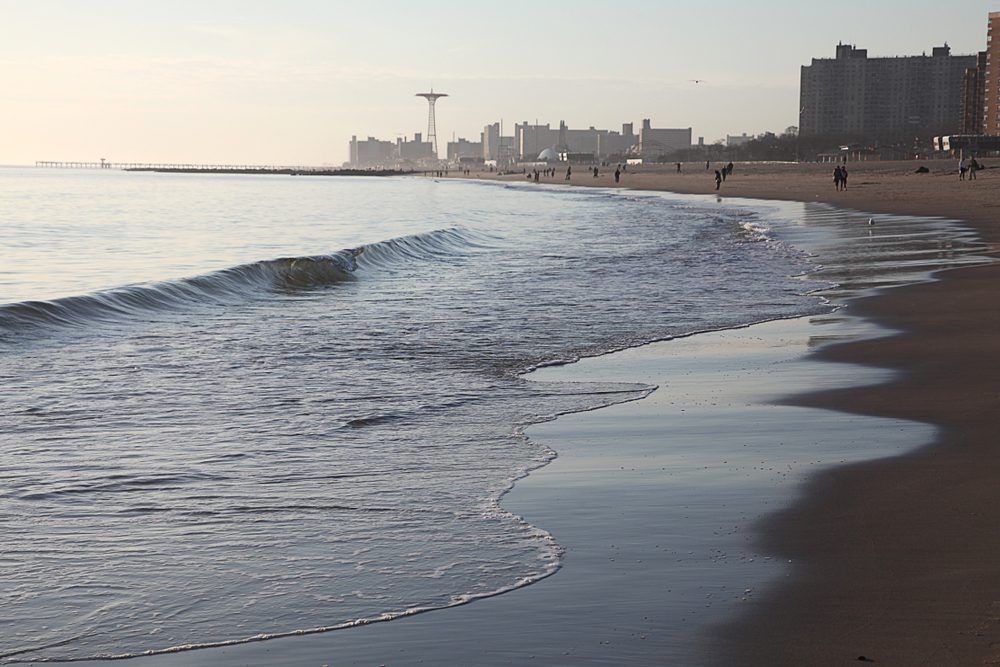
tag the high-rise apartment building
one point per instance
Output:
(882, 99)
(991, 120)
(974, 97)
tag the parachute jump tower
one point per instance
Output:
(431, 98)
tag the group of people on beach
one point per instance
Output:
(551, 172)
(840, 177)
(972, 167)
(720, 174)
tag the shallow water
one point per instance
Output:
(243, 406)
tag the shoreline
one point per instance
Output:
(546, 617)
(896, 557)
(629, 594)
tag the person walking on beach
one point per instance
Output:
(961, 169)
(723, 174)
(618, 174)
(843, 177)
(569, 172)
(729, 169)
(595, 172)
(973, 168)
(678, 167)
(718, 179)
(837, 179)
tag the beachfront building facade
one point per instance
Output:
(882, 99)
(991, 77)
(655, 143)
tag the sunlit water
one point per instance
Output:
(239, 406)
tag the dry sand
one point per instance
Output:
(899, 559)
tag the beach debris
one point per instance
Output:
(922, 170)
(862, 658)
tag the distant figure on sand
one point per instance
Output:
(618, 174)
(595, 172)
(843, 177)
(837, 178)
(961, 169)
(706, 165)
(718, 179)
(569, 172)
(729, 169)
(973, 168)
(678, 167)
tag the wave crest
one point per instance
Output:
(235, 284)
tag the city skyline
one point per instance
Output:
(252, 82)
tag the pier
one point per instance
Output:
(215, 168)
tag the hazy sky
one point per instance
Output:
(289, 82)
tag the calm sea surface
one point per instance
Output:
(238, 406)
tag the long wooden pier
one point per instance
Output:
(216, 168)
(149, 166)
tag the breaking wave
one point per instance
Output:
(238, 283)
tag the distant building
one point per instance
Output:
(414, 151)
(974, 96)
(531, 140)
(658, 142)
(991, 88)
(496, 148)
(738, 140)
(491, 141)
(371, 153)
(464, 149)
(882, 99)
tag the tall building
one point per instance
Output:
(974, 97)
(853, 96)
(991, 120)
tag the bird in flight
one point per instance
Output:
(696, 80)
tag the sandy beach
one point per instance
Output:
(887, 552)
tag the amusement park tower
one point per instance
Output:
(431, 98)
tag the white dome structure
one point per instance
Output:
(548, 155)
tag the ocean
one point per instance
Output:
(249, 406)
